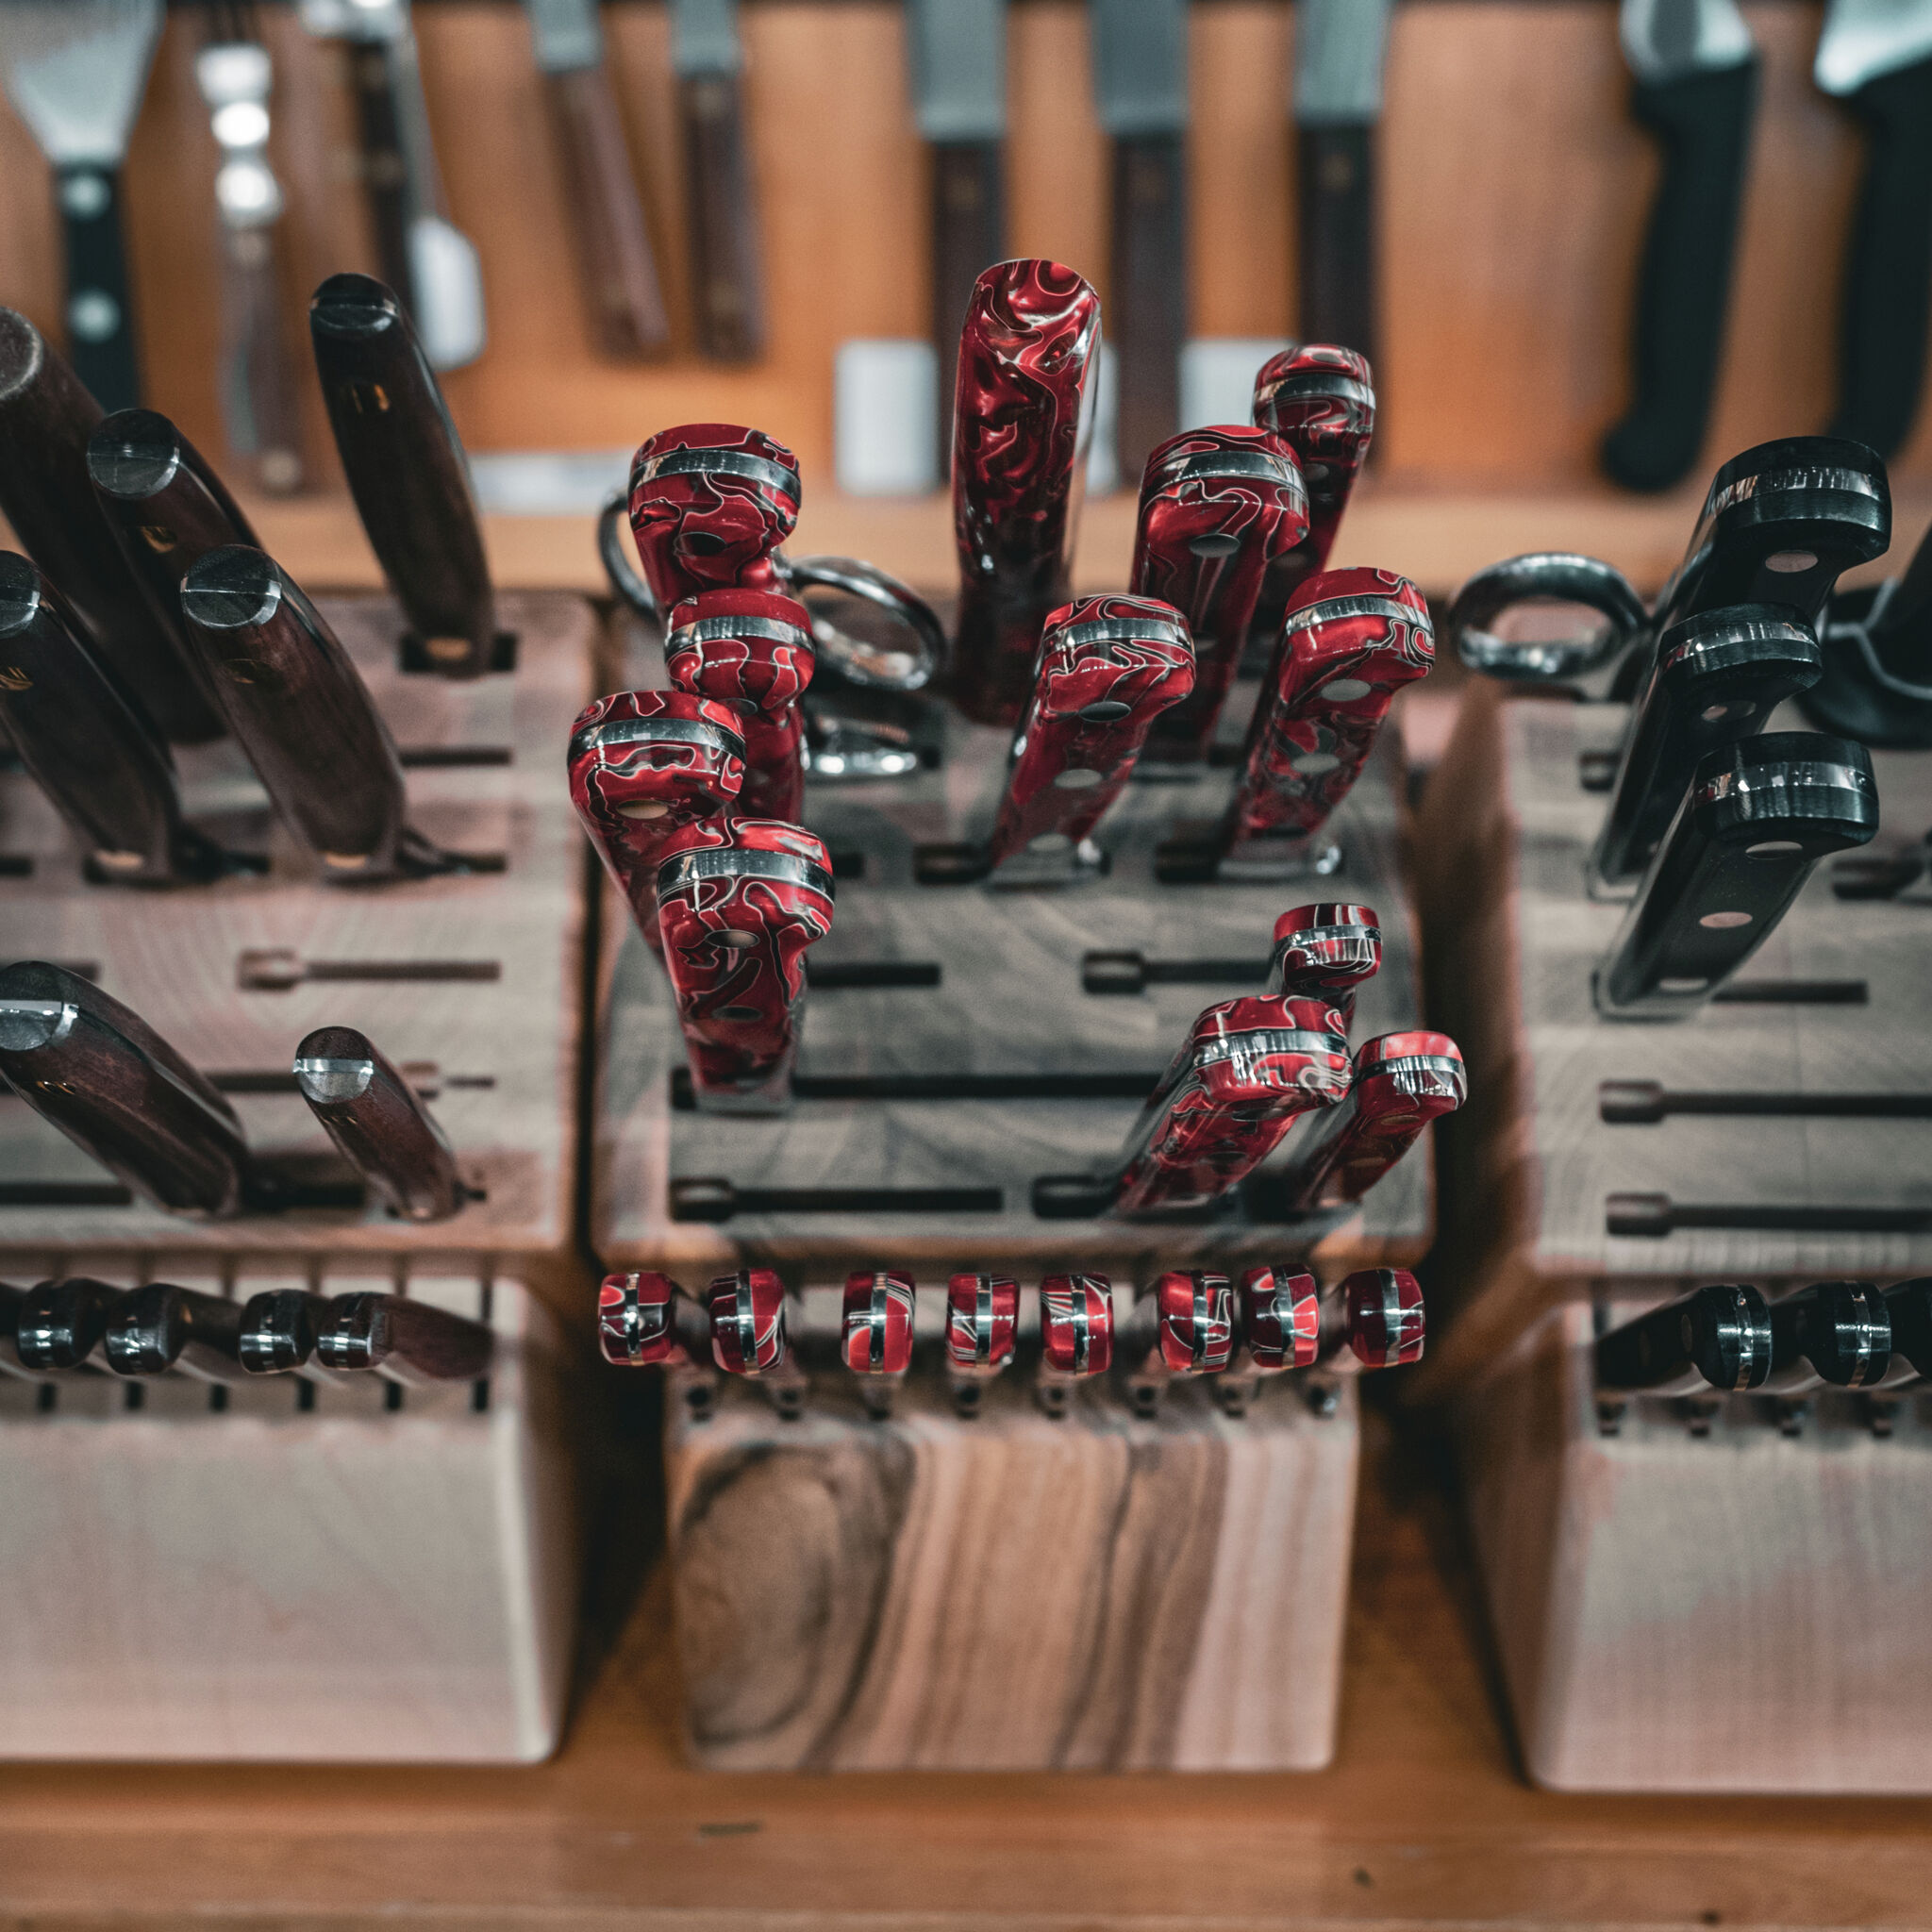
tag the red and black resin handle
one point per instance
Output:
(1325, 951)
(1402, 1082)
(1381, 1318)
(646, 1319)
(1320, 400)
(710, 504)
(1076, 1325)
(1194, 1321)
(875, 1327)
(1280, 1319)
(747, 1318)
(379, 1123)
(982, 1325)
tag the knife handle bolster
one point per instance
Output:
(728, 292)
(1335, 254)
(100, 312)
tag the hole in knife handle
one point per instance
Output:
(1643, 1103)
(273, 968)
(431, 757)
(918, 1087)
(832, 975)
(1654, 1217)
(414, 657)
(709, 1199)
(1794, 992)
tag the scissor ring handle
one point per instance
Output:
(855, 659)
(1546, 576)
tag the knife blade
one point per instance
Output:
(1281, 1312)
(1248, 1069)
(1695, 88)
(1876, 56)
(379, 1123)
(1833, 1334)
(404, 1340)
(1717, 1337)
(1141, 93)
(46, 417)
(1716, 678)
(162, 1328)
(720, 198)
(644, 764)
(406, 468)
(98, 760)
(75, 70)
(1383, 1322)
(875, 1327)
(747, 1318)
(60, 1324)
(1325, 951)
(645, 1320)
(95, 1069)
(982, 1332)
(1340, 46)
(615, 264)
(1758, 815)
(957, 54)
(1107, 667)
(1909, 1306)
(1402, 1082)
(738, 902)
(710, 505)
(1219, 508)
(752, 652)
(1194, 1321)
(1021, 423)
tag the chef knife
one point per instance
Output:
(90, 1066)
(1280, 1315)
(752, 652)
(1383, 1322)
(1402, 1082)
(1219, 509)
(1758, 815)
(1141, 92)
(738, 902)
(1695, 70)
(46, 417)
(956, 52)
(1715, 678)
(1876, 56)
(1107, 667)
(1021, 423)
(644, 1320)
(378, 1123)
(1325, 951)
(710, 504)
(982, 1332)
(404, 1340)
(1339, 53)
(721, 201)
(748, 1317)
(75, 70)
(1909, 1303)
(97, 759)
(614, 260)
(1717, 1337)
(405, 470)
(875, 1333)
(60, 1324)
(1076, 1336)
(162, 1328)
(644, 764)
(1834, 1334)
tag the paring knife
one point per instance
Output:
(1021, 423)
(1695, 70)
(162, 1328)
(1249, 1067)
(1280, 1314)
(1325, 951)
(1107, 667)
(379, 1123)
(751, 651)
(260, 403)
(1383, 1320)
(614, 260)
(644, 764)
(46, 417)
(75, 70)
(1716, 678)
(1877, 682)
(82, 741)
(1195, 1324)
(413, 1343)
(1339, 49)
(1219, 509)
(119, 1092)
(710, 504)
(876, 1328)
(1876, 56)
(1353, 639)
(738, 901)
(982, 1331)
(1713, 1337)
(1141, 92)
(60, 1324)
(417, 248)
(646, 1321)
(1402, 1082)
(405, 470)
(1834, 1334)
(956, 52)
(1909, 1306)
(720, 199)
(1760, 814)
(747, 1318)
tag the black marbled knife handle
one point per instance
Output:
(410, 1341)
(1834, 1334)
(378, 1123)
(1717, 1337)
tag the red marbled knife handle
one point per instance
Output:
(876, 1330)
(1031, 336)
(747, 1318)
(1321, 401)
(1280, 1319)
(1382, 1319)
(710, 504)
(982, 1323)
(1327, 951)
(1076, 1325)
(752, 652)
(1218, 508)
(1353, 639)
(646, 1319)
(1402, 1082)
(1194, 1321)
(379, 1123)
(738, 901)
(1107, 667)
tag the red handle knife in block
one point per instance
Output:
(1107, 667)
(1402, 1082)
(1280, 1320)
(644, 765)
(1325, 951)
(982, 1328)
(738, 901)
(1218, 508)
(1250, 1067)
(752, 652)
(710, 503)
(747, 1318)
(1320, 400)
(1382, 1319)
(1194, 1318)
(645, 1321)
(1076, 1336)
(875, 1333)
(1030, 341)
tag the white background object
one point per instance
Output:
(885, 408)
(1218, 378)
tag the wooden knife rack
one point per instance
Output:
(1642, 1646)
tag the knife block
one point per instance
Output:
(359, 1581)
(476, 978)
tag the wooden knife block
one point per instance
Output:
(352, 1583)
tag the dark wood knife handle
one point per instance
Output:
(409, 1342)
(58, 1324)
(259, 398)
(969, 234)
(1335, 186)
(728, 280)
(100, 305)
(619, 270)
(162, 1328)
(379, 1122)
(1149, 308)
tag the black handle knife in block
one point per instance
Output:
(1714, 1338)
(162, 1327)
(1832, 1335)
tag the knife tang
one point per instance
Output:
(1833, 1334)
(1325, 951)
(646, 1319)
(1717, 1337)
(162, 1328)
(746, 1311)
(710, 505)
(721, 205)
(404, 1340)
(60, 1324)
(100, 301)
(1716, 677)
(1402, 1082)
(1758, 816)
(405, 470)
(93, 1068)
(378, 1123)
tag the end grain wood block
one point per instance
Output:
(496, 1027)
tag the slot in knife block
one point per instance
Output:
(351, 1584)
(235, 974)
(1010, 1001)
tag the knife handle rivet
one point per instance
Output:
(1314, 763)
(643, 807)
(1790, 562)
(1342, 690)
(1724, 921)
(738, 940)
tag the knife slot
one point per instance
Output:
(15, 865)
(719, 1200)
(272, 969)
(1654, 1217)
(64, 1194)
(413, 655)
(1794, 992)
(1118, 974)
(431, 757)
(918, 1087)
(831, 975)
(1639, 1103)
